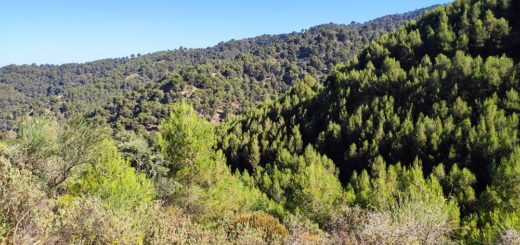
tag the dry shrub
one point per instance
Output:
(89, 220)
(407, 224)
(259, 224)
(346, 227)
(171, 225)
(305, 237)
(509, 237)
(82, 221)
(303, 230)
(25, 212)
(250, 236)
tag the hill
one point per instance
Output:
(219, 80)
(414, 140)
(438, 97)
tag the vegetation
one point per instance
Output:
(412, 141)
(136, 92)
(104, 200)
(423, 122)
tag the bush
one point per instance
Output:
(267, 226)
(25, 211)
(170, 225)
(410, 221)
(509, 237)
(89, 220)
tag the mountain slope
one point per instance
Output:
(439, 95)
(413, 141)
(235, 73)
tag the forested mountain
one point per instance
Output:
(218, 81)
(426, 115)
(413, 140)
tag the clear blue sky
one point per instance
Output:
(63, 31)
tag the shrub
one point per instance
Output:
(410, 221)
(89, 220)
(170, 225)
(267, 226)
(25, 210)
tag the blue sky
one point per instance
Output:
(64, 31)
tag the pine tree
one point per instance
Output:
(187, 140)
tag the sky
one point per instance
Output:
(66, 31)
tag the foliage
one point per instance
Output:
(112, 180)
(25, 213)
(500, 209)
(407, 206)
(205, 185)
(135, 92)
(304, 184)
(271, 230)
(414, 140)
(88, 219)
(435, 98)
(141, 153)
(54, 150)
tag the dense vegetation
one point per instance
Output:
(135, 91)
(412, 141)
(424, 118)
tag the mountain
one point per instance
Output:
(220, 80)
(432, 107)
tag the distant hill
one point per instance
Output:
(134, 91)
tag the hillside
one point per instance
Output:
(438, 96)
(304, 138)
(219, 80)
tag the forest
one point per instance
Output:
(401, 130)
(134, 93)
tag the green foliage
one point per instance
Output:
(135, 93)
(317, 190)
(306, 184)
(505, 187)
(54, 150)
(388, 188)
(142, 154)
(436, 98)
(458, 184)
(111, 179)
(205, 185)
(412, 141)
(187, 142)
(500, 208)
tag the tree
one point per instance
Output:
(409, 199)
(112, 179)
(500, 212)
(317, 190)
(445, 35)
(108, 203)
(187, 142)
(205, 185)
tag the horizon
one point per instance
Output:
(56, 33)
